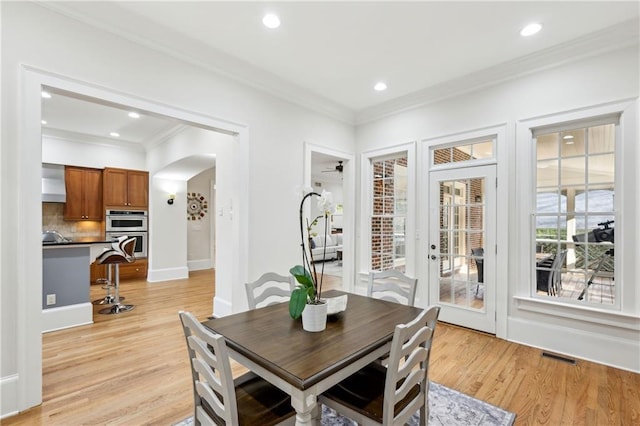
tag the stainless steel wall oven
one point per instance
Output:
(141, 241)
(127, 220)
(132, 223)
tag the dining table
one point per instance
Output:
(304, 364)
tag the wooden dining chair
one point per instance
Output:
(377, 395)
(392, 285)
(269, 289)
(218, 398)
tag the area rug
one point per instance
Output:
(447, 407)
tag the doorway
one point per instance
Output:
(29, 387)
(332, 171)
(462, 241)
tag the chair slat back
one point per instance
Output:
(269, 289)
(407, 378)
(392, 285)
(211, 372)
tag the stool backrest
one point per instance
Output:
(128, 247)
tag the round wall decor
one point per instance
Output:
(196, 206)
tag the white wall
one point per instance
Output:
(58, 150)
(42, 46)
(193, 141)
(607, 337)
(199, 244)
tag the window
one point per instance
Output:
(389, 213)
(575, 212)
(466, 151)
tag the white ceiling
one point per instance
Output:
(328, 55)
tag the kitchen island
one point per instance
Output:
(66, 283)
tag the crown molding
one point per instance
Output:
(77, 137)
(96, 14)
(609, 39)
(198, 54)
(163, 137)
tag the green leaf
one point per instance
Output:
(297, 302)
(302, 276)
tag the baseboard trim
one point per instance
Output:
(614, 351)
(198, 265)
(221, 307)
(168, 274)
(66, 316)
(9, 392)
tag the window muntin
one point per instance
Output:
(466, 151)
(575, 212)
(389, 213)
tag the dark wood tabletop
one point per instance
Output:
(270, 338)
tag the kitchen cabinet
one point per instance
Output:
(84, 194)
(135, 270)
(126, 188)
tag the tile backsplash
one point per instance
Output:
(53, 220)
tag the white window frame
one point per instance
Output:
(585, 124)
(366, 201)
(627, 177)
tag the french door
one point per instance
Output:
(462, 241)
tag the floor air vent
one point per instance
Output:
(559, 358)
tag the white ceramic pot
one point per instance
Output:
(314, 317)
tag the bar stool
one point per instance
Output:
(107, 282)
(122, 252)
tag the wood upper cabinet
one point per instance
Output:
(84, 193)
(126, 188)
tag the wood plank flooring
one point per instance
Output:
(132, 369)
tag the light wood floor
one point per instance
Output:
(132, 369)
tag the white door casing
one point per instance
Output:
(459, 222)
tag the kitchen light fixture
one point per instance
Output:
(380, 86)
(46, 95)
(115, 134)
(530, 29)
(43, 121)
(271, 21)
(171, 198)
(134, 115)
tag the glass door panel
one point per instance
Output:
(465, 227)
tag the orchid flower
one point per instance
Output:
(309, 286)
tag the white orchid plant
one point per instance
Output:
(309, 287)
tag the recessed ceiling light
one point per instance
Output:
(271, 21)
(380, 86)
(134, 115)
(46, 95)
(115, 134)
(43, 121)
(530, 29)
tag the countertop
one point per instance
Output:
(79, 241)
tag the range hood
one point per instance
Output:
(53, 190)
